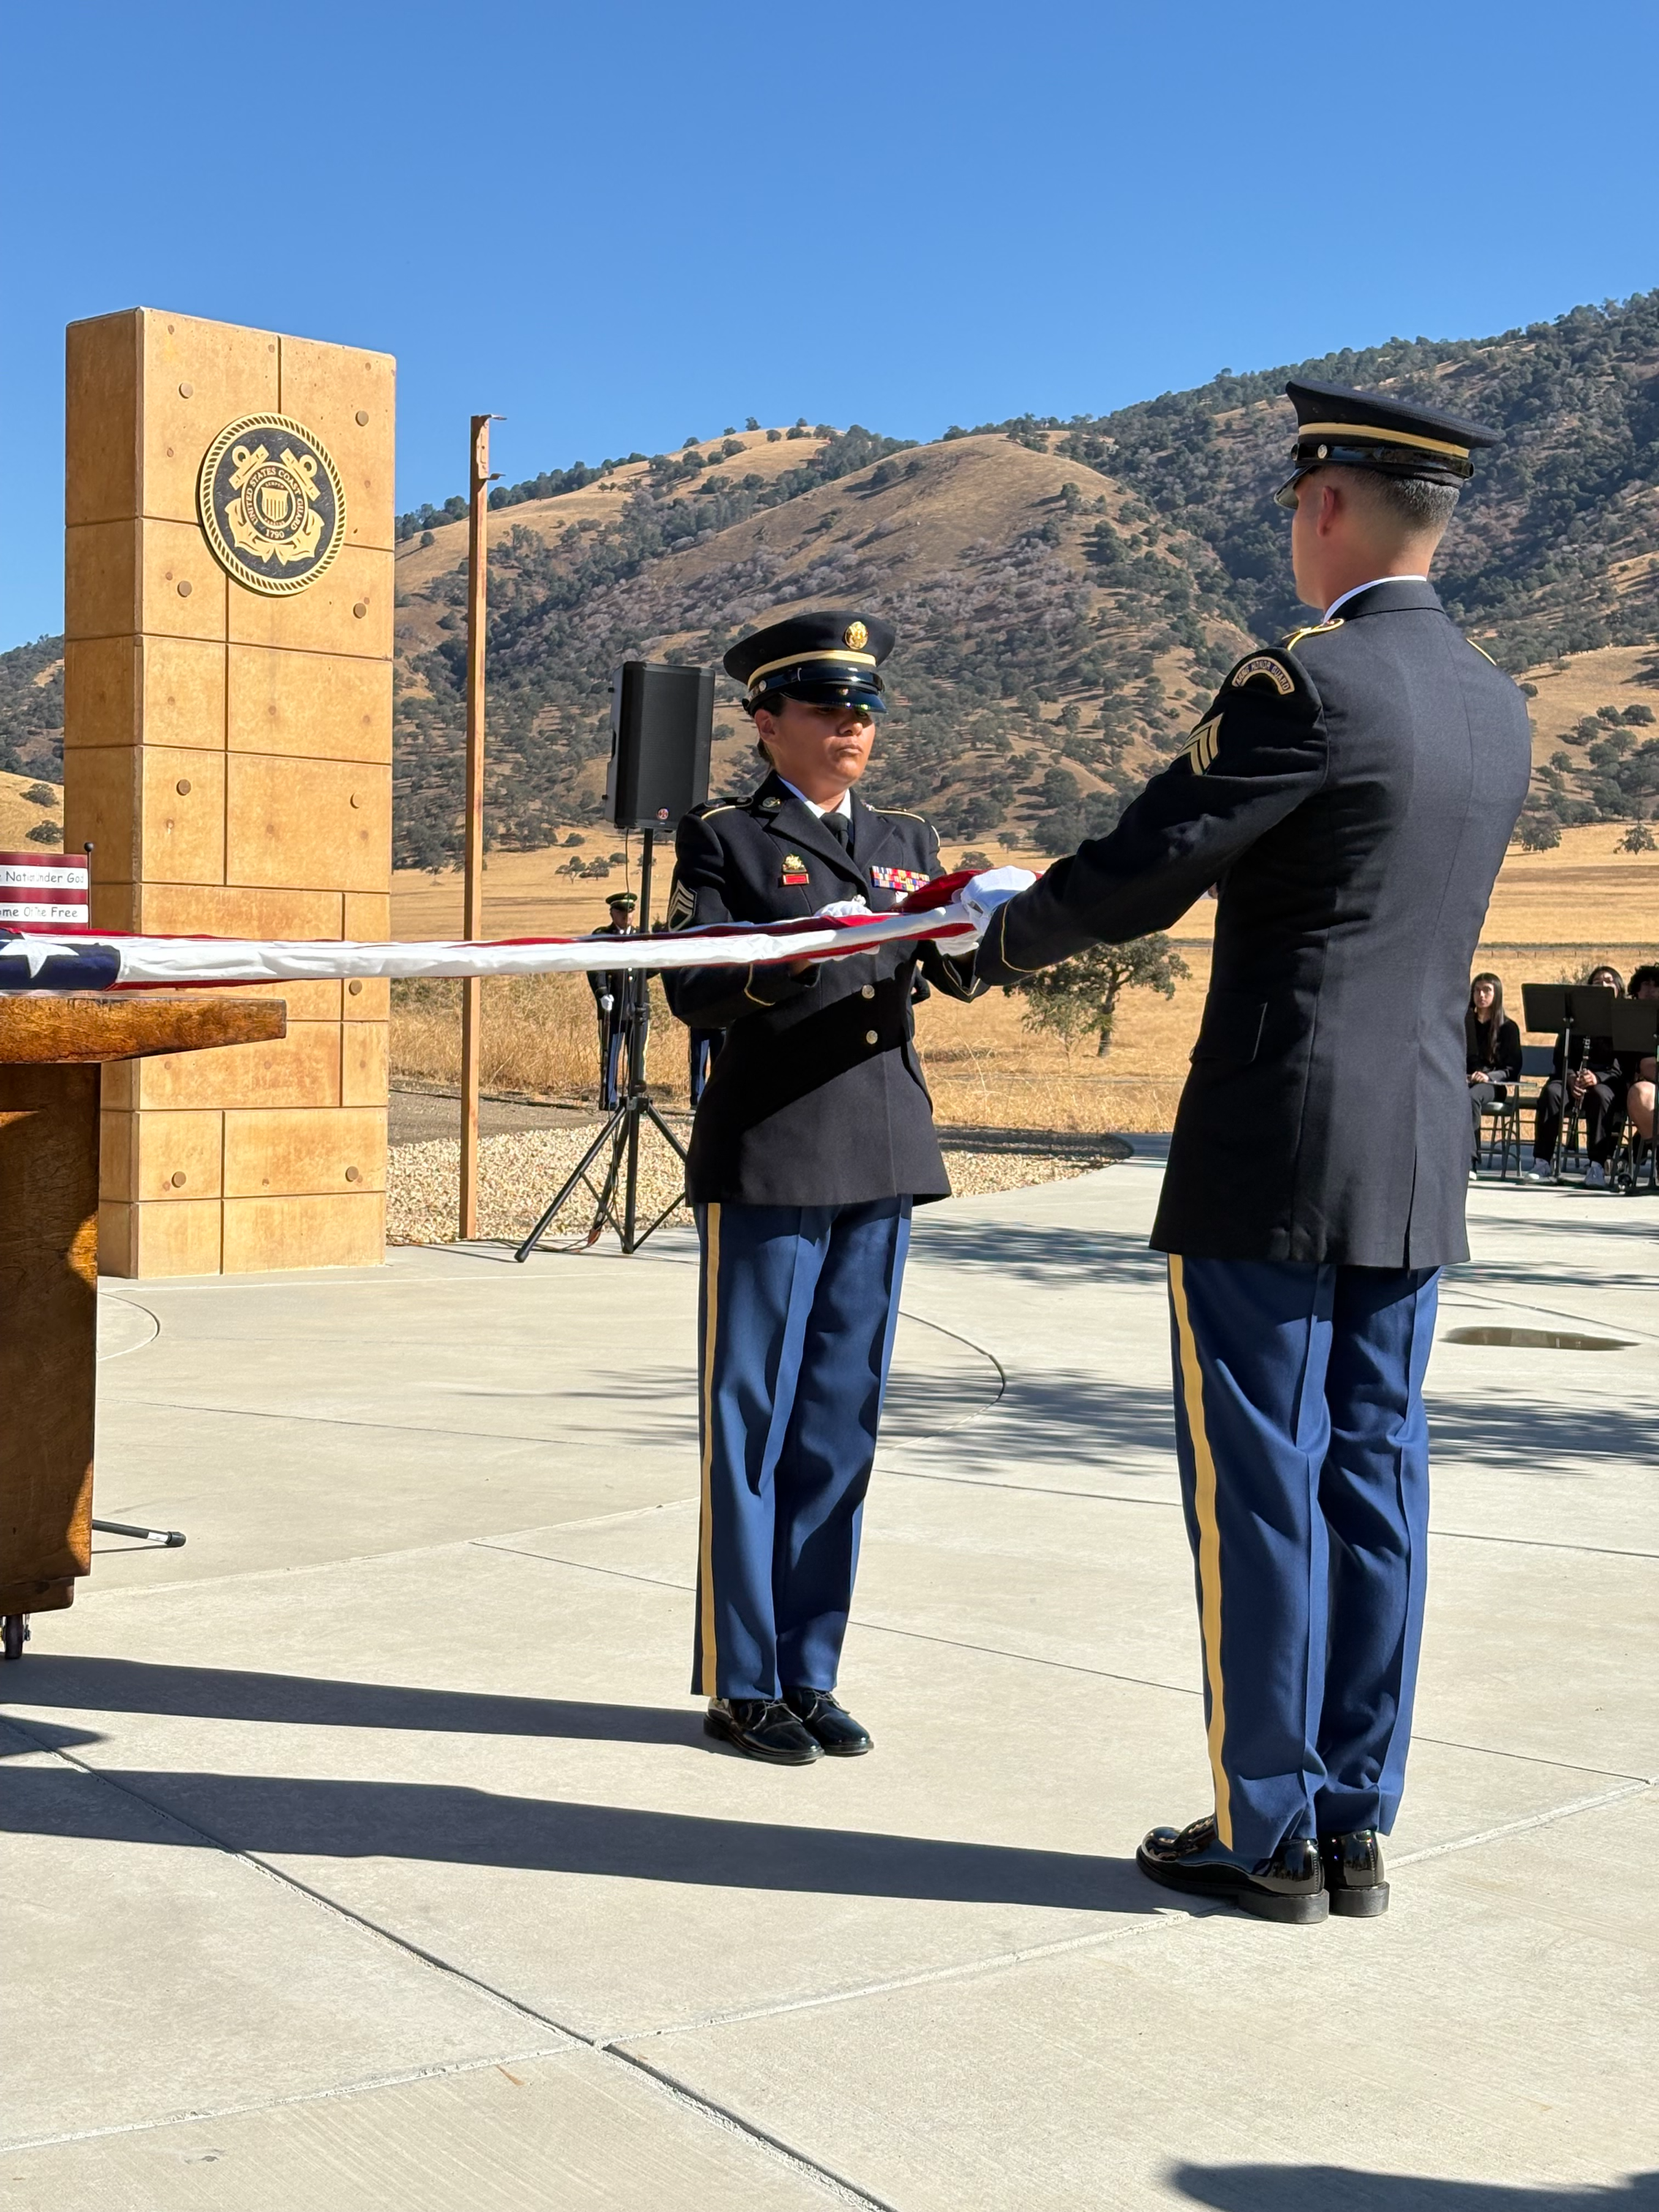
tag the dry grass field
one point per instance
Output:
(1552, 914)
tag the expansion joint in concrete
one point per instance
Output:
(1508, 1828)
(836, 2185)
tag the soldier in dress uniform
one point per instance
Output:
(611, 998)
(813, 1137)
(1350, 793)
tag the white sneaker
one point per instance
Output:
(1541, 1171)
(1595, 1176)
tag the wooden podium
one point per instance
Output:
(53, 1047)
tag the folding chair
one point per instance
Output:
(1537, 1066)
(1500, 1121)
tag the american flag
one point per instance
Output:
(36, 957)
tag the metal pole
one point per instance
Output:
(472, 881)
(640, 1013)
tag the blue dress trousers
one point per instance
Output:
(795, 1333)
(1304, 1455)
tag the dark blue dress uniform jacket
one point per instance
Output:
(816, 1097)
(1352, 793)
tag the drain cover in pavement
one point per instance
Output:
(1540, 1339)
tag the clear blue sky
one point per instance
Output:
(619, 224)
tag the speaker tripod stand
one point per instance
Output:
(617, 1196)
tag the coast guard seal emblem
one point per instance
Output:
(271, 504)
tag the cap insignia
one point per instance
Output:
(855, 636)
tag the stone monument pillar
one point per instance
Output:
(227, 749)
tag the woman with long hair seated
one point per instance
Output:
(1593, 1086)
(1493, 1049)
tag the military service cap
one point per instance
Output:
(621, 898)
(828, 659)
(1340, 428)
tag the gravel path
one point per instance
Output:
(518, 1173)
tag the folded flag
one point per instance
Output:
(33, 957)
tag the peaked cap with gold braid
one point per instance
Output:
(1340, 428)
(829, 660)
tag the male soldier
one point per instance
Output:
(814, 1135)
(1351, 794)
(610, 995)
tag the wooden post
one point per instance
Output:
(477, 558)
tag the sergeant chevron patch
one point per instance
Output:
(681, 907)
(1268, 665)
(1201, 747)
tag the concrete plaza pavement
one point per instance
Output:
(365, 1855)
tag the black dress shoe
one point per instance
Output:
(1290, 1886)
(762, 1727)
(829, 1724)
(1354, 1880)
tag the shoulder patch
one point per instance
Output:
(1201, 745)
(681, 907)
(1307, 630)
(1267, 667)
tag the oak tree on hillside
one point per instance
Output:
(1079, 996)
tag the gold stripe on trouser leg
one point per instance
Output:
(706, 1544)
(1209, 1544)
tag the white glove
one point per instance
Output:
(842, 907)
(606, 1003)
(994, 887)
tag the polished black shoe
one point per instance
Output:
(764, 1727)
(1355, 1880)
(828, 1723)
(1290, 1886)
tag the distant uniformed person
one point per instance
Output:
(700, 1058)
(612, 998)
(1350, 793)
(813, 1137)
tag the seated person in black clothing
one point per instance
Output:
(1492, 1047)
(1593, 1087)
(1639, 1099)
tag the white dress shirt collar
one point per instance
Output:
(1371, 586)
(843, 805)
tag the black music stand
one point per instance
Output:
(1635, 1029)
(1571, 1009)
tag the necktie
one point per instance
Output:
(839, 826)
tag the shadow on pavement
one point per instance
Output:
(1054, 1417)
(1033, 1252)
(282, 1816)
(1527, 1433)
(1343, 2189)
(135, 1686)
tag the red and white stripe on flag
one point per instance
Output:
(43, 887)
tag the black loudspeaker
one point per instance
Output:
(662, 723)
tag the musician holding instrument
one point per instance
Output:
(1592, 1088)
